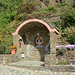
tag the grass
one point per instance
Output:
(60, 63)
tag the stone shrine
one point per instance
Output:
(35, 40)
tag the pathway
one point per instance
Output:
(9, 70)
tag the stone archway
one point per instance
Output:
(35, 20)
(28, 30)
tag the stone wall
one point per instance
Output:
(51, 58)
(56, 68)
(62, 68)
(67, 57)
(8, 58)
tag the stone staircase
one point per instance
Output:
(39, 66)
(27, 63)
(32, 65)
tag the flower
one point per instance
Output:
(13, 47)
(68, 46)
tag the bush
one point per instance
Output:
(58, 24)
(74, 4)
(68, 17)
(7, 43)
(29, 7)
(8, 52)
(2, 48)
(69, 20)
(51, 9)
(71, 38)
(62, 4)
(62, 63)
(12, 15)
(68, 31)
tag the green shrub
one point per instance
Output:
(1, 50)
(8, 52)
(7, 43)
(12, 15)
(21, 16)
(29, 7)
(69, 20)
(68, 17)
(74, 4)
(62, 63)
(68, 31)
(58, 24)
(63, 4)
(54, 9)
(71, 38)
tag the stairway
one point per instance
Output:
(27, 63)
(32, 65)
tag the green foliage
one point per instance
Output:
(71, 38)
(62, 63)
(54, 9)
(8, 52)
(68, 16)
(7, 43)
(74, 4)
(58, 24)
(69, 20)
(29, 7)
(12, 15)
(7, 14)
(68, 31)
(68, 23)
(1, 50)
(63, 4)
(25, 9)
(21, 16)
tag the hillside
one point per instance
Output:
(14, 12)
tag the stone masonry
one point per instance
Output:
(28, 32)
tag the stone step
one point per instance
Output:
(27, 63)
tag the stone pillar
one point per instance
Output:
(15, 39)
(50, 59)
(16, 42)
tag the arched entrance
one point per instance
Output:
(36, 43)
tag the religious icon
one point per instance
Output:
(20, 43)
(39, 41)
